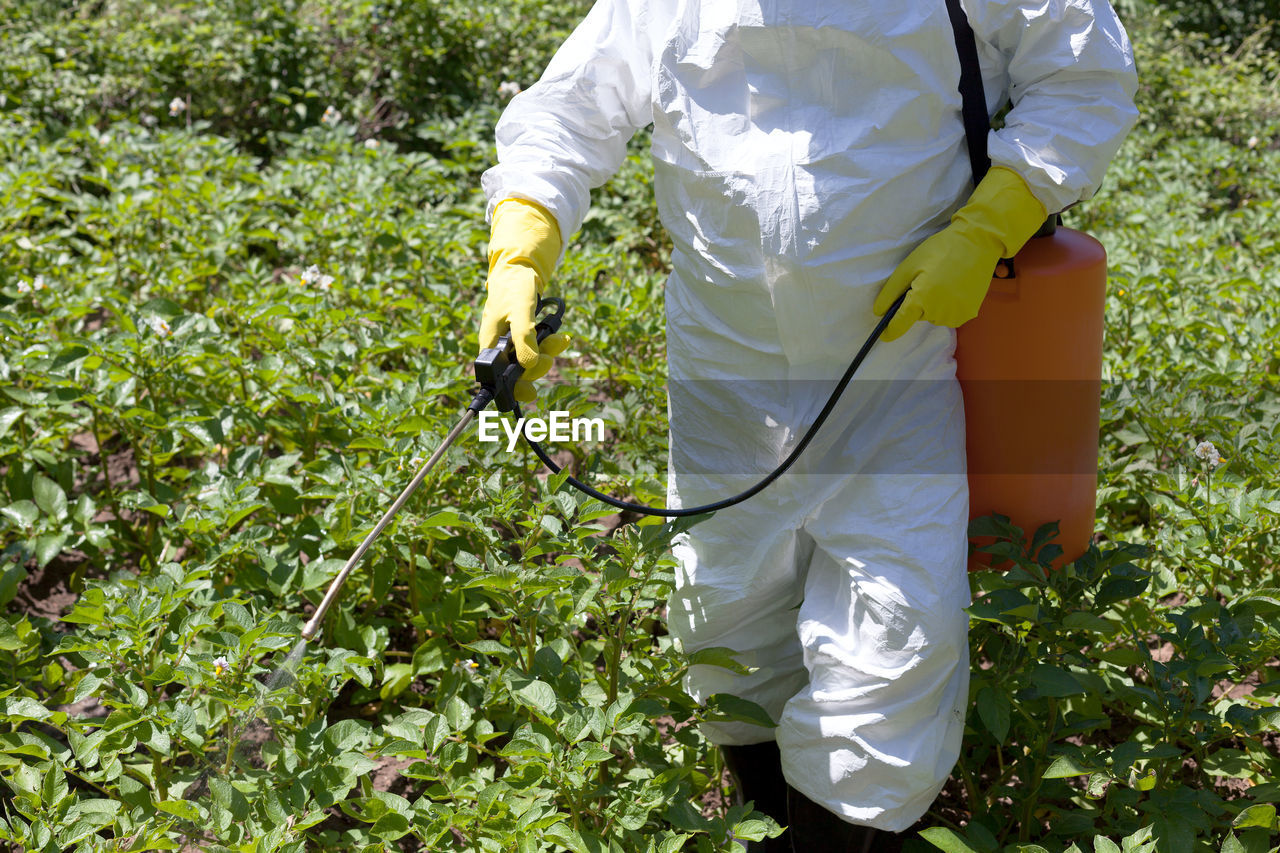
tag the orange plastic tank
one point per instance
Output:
(1030, 366)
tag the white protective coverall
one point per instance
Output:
(801, 149)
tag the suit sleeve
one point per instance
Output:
(1072, 82)
(567, 134)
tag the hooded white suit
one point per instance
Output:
(801, 149)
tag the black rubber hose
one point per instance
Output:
(685, 512)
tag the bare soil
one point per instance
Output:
(47, 592)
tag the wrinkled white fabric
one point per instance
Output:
(801, 150)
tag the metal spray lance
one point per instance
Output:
(497, 371)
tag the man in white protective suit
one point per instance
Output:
(811, 165)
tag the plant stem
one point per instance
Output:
(1029, 808)
(161, 780)
(414, 603)
(102, 462)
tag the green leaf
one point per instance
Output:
(630, 814)
(395, 680)
(981, 837)
(390, 826)
(1118, 589)
(434, 733)
(49, 546)
(54, 788)
(1232, 763)
(1262, 815)
(995, 712)
(10, 577)
(429, 657)
(229, 797)
(730, 708)
(944, 839)
(17, 708)
(16, 743)
(1097, 785)
(154, 736)
(1232, 844)
(1263, 600)
(720, 656)
(530, 747)
(88, 684)
(1140, 840)
(592, 753)
(84, 510)
(8, 637)
(566, 836)
(1053, 681)
(673, 843)
(493, 647)
(1068, 765)
(458, 714)
(1086, 621)
(9, 417)
(1146, 782)
(443, 518)
(184, 809)
(21, 513)
(994, 525)
(344, 735)
(750, 830)
(1104, 845)
(539, 696)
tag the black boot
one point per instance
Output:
(813, 829)
(757, 775)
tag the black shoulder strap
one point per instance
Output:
(976, 121)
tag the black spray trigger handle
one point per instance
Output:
(549, 324)
(497, 368)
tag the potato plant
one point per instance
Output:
(241, 259)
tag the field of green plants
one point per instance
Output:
(241, 258)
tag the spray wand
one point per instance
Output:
(497, 370)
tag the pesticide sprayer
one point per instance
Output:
(1029, 365)
(1041, 322)
(497, 370)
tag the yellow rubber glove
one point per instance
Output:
(524, 244)
(949, 273)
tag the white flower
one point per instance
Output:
(38, 284)
(508, 89)
(331, 116)
(312, 275)
(1206, 451)
(1253, 142)
(466, 666)
(371, 144)
(159, 326)
(219, 665)
(147, 119)
(176, 106)
(413, 464)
